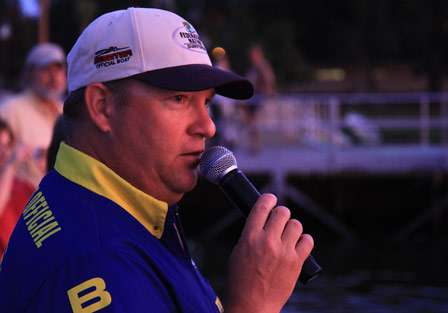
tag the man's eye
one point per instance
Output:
(179, 98)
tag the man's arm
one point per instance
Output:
(266, 262)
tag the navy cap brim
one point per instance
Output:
(195, 77)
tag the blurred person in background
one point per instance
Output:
(263, 78)
(32, 113)
(14, 193)
(223, 108)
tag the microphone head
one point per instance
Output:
(216, 162)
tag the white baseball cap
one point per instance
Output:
(44, 54)
(152, 45)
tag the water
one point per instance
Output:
(368, 292)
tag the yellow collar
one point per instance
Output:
(90, 173)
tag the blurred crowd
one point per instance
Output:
(27, 120)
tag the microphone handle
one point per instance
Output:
(240, 190)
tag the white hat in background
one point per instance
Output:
(44, 54)
(154, 46)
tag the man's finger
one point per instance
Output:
(277, 220)
(304, 246)
(292, 232)
(259, 213)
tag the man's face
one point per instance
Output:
(160, 135)
(49, 82)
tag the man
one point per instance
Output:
(32, 113)
(101, 233)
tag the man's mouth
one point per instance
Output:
(196, 153)
(194, 157)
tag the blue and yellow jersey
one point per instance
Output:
(88, 241)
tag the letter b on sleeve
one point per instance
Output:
(89, 296)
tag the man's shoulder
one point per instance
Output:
(17, 107)
(56, 246)
(15, 102)
(63, 219)
(53, 226)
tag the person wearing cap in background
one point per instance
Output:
(32, 113)
(102, 234)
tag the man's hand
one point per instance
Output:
(266, 262)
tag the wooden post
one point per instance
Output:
(44, 21)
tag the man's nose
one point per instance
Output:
(203, 124)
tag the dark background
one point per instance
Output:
(298, 36)
(403, 40)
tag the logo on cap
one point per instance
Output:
(189, 27)
(111, 56)
(187, 37)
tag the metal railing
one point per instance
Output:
(287, 113)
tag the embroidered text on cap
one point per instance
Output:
(187, 37)
(111, 56)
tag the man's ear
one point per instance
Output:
(99, 104)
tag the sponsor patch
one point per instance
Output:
(187, 37)
(111, 56)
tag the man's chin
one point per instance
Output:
(193, 182)
(181, 184)
(189, 182)
(180, 191)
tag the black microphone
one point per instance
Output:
(218, 165)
